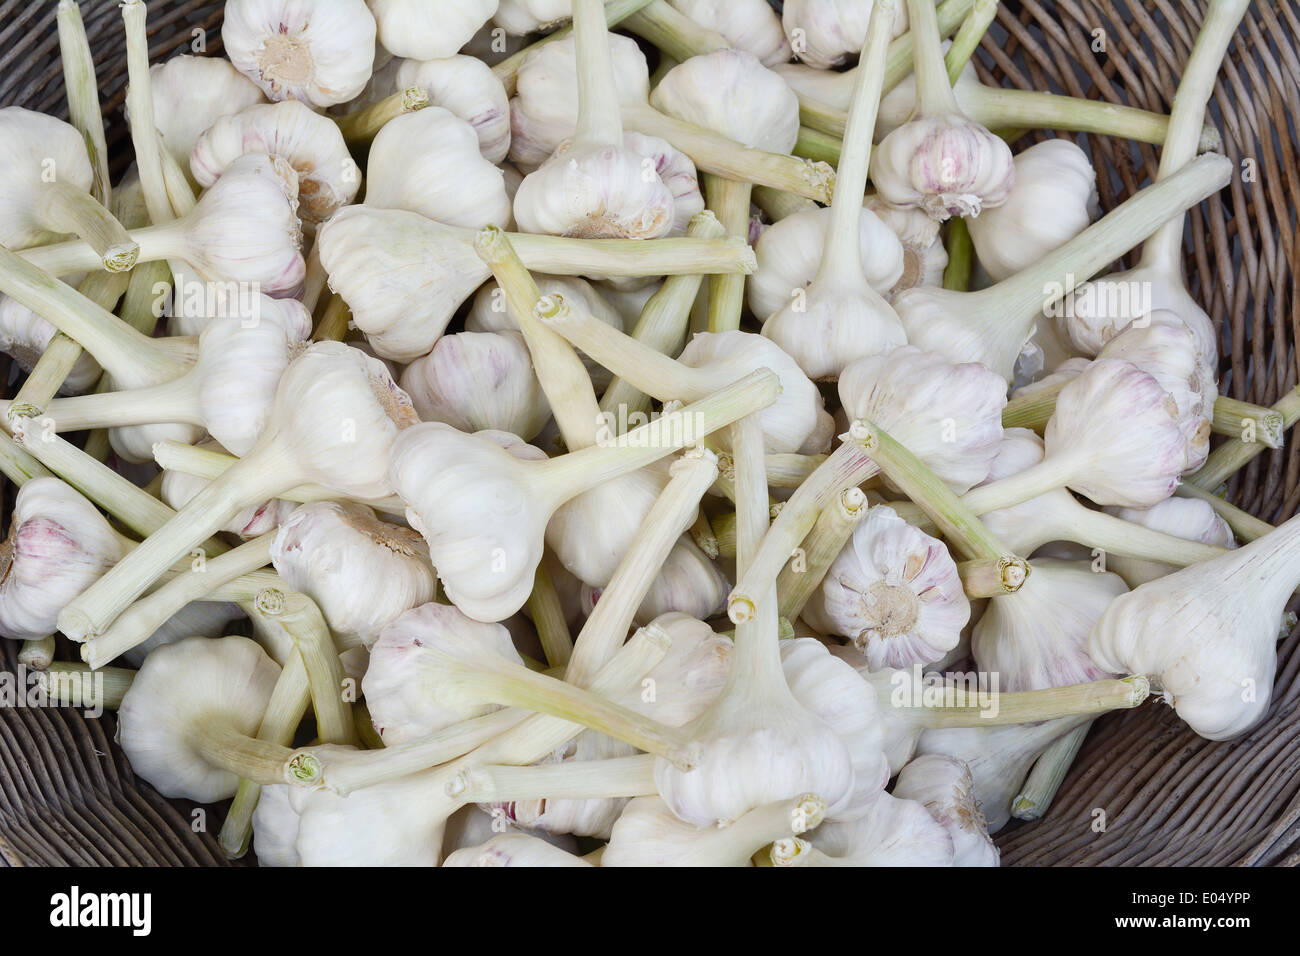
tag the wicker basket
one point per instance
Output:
(67, 795)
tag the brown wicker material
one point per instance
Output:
(66, 791)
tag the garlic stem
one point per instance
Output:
(817, 146)
(832, 531)
(314, 281)
(284, 713)
(933, 89)
(137, 623)
(599, 123)
(720, 156)
(1234, 454)
(132, 358)
(17, 465)
(180, 195)
(139, 108)
(575, 780)
(779, 205)
(756, 829)
(729, 202)
(842, 256)
(67, 684)
(954, 518)
(1236, 419)
(299, 617)
(1028, 706)
(961, 256)
(1054, 471)
(83, 95)
(37, 654)
(968, 37)
(991, 577)
(210, 464)
(562, 375)
(948, 17)
(1163, 249)
(65, 208)
(757, 662)
(1103, 531)
(174, 401)
(222, 746)
(548, 618)
(1245, 526)
(361, 126)
(606, 627)
(702, 535)
(333, 324)
(507, 71)
(846, 467)
(1039, 788)
(645, 257)
(663, 324)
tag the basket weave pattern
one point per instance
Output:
(67, 795)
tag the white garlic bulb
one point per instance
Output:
(422, 29)
(894, 832)
(514, 849)
(824, 33)
(190, 93)
(24, 336)
(467, 87)
(924, 255)
(688, 583)
(946, 165)
(319, 53)
(749, 25)
(362, 572)
(520, 17)
(945, 787)
(275, 828)
(894, 591)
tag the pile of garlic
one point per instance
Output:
(546, 462)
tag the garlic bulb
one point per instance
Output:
(840, 316)
(945, 787)
(24, 336)
(327, 176)
(190, 93)
(478, 381)
(58, 544)
(429, 162)
(894, 591)
(1053, 200)
(749, 25)
(824, 33)
(1207, 635)
(424, 30)
(924, 255)
(188, 711)
(521, 17)
(594, 186)
(591, 533)
(404, 683)
(321, 54)
(1188, 518)
(178, 488)
(467, 87)
(361, 572)
(1041, 639)
(790, 251)
(893, 833)
(688, 583)
(514, 849)
(648, 834)
(198, 619)
(275, 828)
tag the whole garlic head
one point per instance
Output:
(429, 162)
(312, 144)
(362, 572)
(405, 686)
(749, 25)
(945, 787)
(894, 832)
(466, 86)
(688, 583)
(476, 381)
(824, 33)
(422, 29)
(894, 591)
(36, 147)
(190, 93)
(320, 53)
(58, 545)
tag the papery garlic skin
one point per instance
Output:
(423, 30)
(898, 735)
(1041, 640)
(405, 685)
(467, 87)
(945, 787)
(1053, 200)
(894, 591)
(476, 381)
(361, 572)
(790, 251)
(689, 679)
(760, 110)
(190, 93)
(1189, 518)
(950, 416)
(429, 162)
(676, 171)
(591, 533)
(893, 832)
(58, 545)
(830, 689)
(1207, 635)
(1119, 420)
(24, 336)
(275, 828)
(227, 681)
(749, 25)
(946, 165)
(514, 849)
(924, 255)
(320, 53)
(37, 147)
(824, 33)
(688, 583)
(544, 109)
(312, 144)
